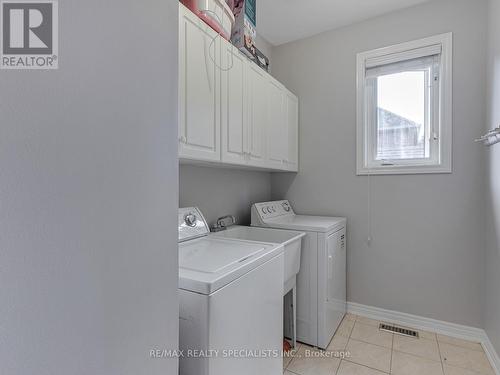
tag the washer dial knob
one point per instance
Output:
(190, 219)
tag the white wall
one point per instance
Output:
(218, 192)
(88, 233)
(427, 254)
(492, 298)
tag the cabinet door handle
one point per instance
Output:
(182, 139)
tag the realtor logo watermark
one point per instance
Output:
(29, 34)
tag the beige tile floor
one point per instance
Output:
(359, 348)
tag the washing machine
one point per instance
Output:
(321, 282)
(231, 302)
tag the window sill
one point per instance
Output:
(404, 169)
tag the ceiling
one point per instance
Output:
(282, 21)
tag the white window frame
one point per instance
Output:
(441, 141)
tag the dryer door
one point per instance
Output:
(332, 292)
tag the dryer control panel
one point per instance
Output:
(268, 210)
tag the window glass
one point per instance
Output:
(402, 115)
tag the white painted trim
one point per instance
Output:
(427, 324)
(491, 353)
(400, 169)
(417, 322)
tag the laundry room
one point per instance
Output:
(416, 222)
(251, 187)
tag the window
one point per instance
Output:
(404, 116)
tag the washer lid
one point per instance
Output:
(308, 223)
(208, 264)
(213, 256)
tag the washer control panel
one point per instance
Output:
(191, 224)
(268, 210)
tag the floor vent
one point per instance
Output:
(398, 330)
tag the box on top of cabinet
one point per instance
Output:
(244, 30)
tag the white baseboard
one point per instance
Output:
(417, 322)
(427, 324)
(491, 353)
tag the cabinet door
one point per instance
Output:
(257, 115)
(292, 124)
(199, 100)
(233, 105)
(277, 130)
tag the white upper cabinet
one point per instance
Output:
(234, 113)
(258, 107)
(276, 128)
(199, 91)
(230, 110)
(282, 134)
(292, 129)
